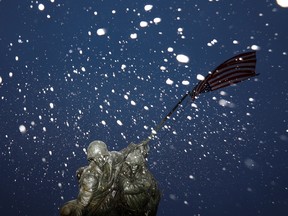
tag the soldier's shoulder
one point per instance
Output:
(116, 157)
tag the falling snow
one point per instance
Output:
(22, 129)
(182, 58)
(74, 72)
(148, 7)
(169, 81)
(143, 24)
(41, 7)
(200, 77)
(133, 35)
(101, 31)
(282, 3)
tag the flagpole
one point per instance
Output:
(159, 126)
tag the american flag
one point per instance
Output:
(234, 70)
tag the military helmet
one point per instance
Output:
(135, 158)
(96, 149)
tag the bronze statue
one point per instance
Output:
(111, 181)
(138, 190)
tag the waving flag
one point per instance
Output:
(234, 70)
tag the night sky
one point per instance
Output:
(75, 71)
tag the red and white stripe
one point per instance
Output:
(234, 70)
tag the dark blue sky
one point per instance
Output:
(62, 85)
